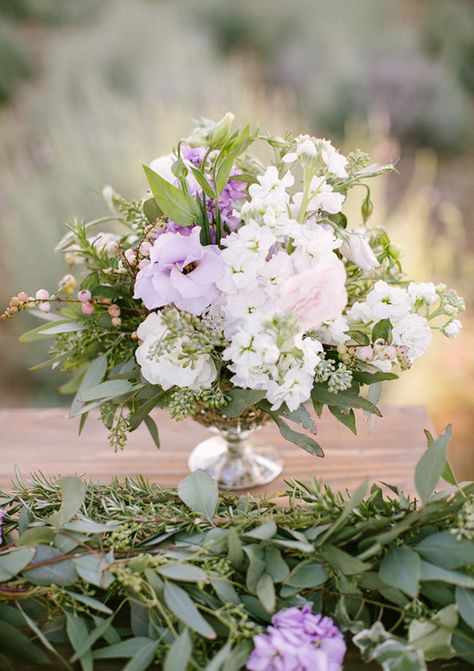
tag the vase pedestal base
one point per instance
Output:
(241, 465)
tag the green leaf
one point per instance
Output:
(234, 548)
(142, 659)
(372, 378)
(73, 492)
(241, 399)
(432, 572)
(355, 500)
(17, 644)
(60, 573)
(229, 153)
(266, 592)
(263, 532)
(200, 493)
(382, 330)
(152, 430)
(11, 563)
(124, 649)
(275, 564)
(108, 389)
(307, 574)
(179, 654)
(222, 656)
(173, 202)
(434, 636)
(181, 605)
(151, 210)
(465, 604)
(91, 603)
(346, 418)
(85, 646)
(77, 633)
(342, 561)
(444, 549)
(400, 568)
(300, 416)
(139, 415)
(343, 399)
(203, 183)
(429, 468)
(93, 375)
(183, 572)
(42, 332)
(306, 442)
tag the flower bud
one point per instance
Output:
(44, 307)
(116, 321)
(22, 297)
(179, 169)
(84, 296)
(114, 310)
(367, 209)
(130, 255)
(221, 131)
(42, 295)
(87, 308)
(452, 328)
(145, 248)
(68, 283)
(14, 301)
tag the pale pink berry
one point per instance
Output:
(365, 353)
(44, 307)
(143, 263)
(116, 321)
(42, 295)
(84, 295)
(130, 255)
(134, 335)
(22, 297)
(87, 308)
(114, 310)
(15, 301)
(145, 248)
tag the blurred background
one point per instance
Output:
(90, 90)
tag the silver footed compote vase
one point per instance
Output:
(234, 457)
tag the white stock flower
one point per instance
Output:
(250, 241)
(311, 241)
(271, 185)
(171, 368)
(358, 250)
(388, 302)
(359, 312)
(452, 328)
(423, 292)
(323, 197)
(335, 161)
(334, 331)
(413, 332)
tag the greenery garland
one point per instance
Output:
(184, 579)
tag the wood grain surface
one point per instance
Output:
(45, 440)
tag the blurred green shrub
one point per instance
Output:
(411, 60)
(16, 64)
(49, 11)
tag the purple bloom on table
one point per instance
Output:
(3, 512)
(298, 641)
(181, 271)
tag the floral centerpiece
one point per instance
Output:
(236, 293)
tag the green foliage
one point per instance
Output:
(151, 576)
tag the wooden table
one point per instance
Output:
(45, 440)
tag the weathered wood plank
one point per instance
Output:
(45, 440)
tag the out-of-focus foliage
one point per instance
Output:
(410, 60)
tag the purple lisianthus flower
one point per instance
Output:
(298, 641)
(3, 512)
(181, 271)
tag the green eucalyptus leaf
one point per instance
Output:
(180, 604)
(183, 572)
(266, 592)
(400, 568)
(93, 376)
(302, 440)
(263, 532)
(61, 573)
(122, 650)
(430, 467)
(307, 574)
(142, 659)
(13, 562)
(179, 654)
(73, 492)
(444, 549)
(465, 604)
(200, 493)
(432, 572)
(15, 643)
(78, 632)
(241, 399)
(108, 389)
(343, 561)
(222, 656)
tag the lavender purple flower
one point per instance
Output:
(298, 640)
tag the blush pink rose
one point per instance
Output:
(317, 294)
